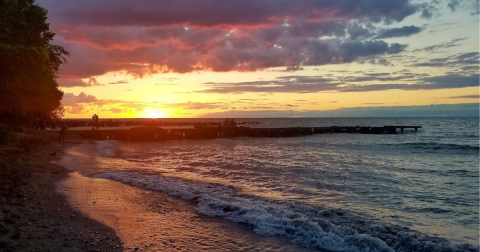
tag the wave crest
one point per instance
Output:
(330, 229)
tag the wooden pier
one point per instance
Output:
(153, 133)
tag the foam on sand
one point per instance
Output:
(330, 229)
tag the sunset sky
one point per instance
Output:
(267, 58)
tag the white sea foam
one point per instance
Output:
(328, 229)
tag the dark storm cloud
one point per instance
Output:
(213, 12)
(296, 52)
(145, 37)
(353, 49)
(243, 52)
(358, 31)
(404, 31)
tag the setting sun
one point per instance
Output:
(153, 113)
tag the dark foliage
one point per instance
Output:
(29, 63)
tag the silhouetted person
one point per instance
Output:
(96, 121)
(63, 132)
(54, 125)
(93, 121)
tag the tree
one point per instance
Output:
(29, 63)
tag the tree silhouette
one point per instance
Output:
(29, 63)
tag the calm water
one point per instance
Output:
(417, 191)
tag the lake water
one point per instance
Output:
(416, 191)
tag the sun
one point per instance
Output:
(154, 113)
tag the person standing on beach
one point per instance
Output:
(96, 121)
(93, 121)
(63, 132)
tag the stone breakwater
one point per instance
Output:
(210, 132)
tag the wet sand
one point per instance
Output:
(154, 221)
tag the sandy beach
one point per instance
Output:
(154, 221)
(150, 220)
(55, 209)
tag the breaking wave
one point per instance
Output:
(329, 229)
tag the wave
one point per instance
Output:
(441, 146)
(434, 210)
(329, 229)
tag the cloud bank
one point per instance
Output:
(144, 37)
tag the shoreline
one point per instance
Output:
(33, 215)
(83, 213)
(149, 220)
(57, 209)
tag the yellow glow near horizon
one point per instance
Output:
(150, 112)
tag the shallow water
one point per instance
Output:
(417, 191)
(153, 221)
